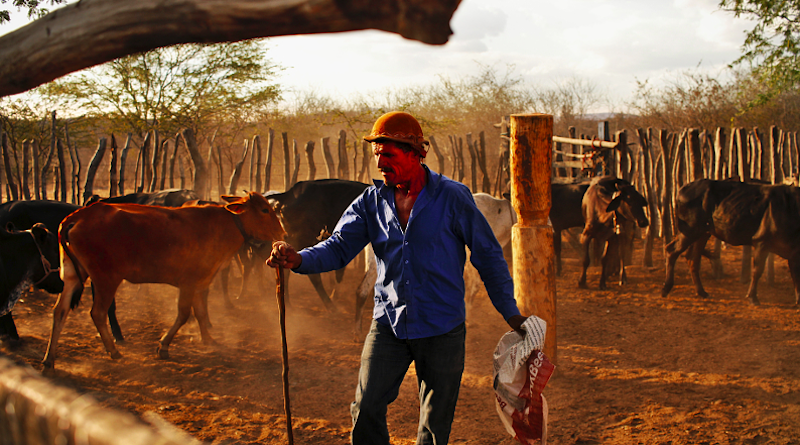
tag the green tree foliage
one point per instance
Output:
(772, 47)
(202, 87)
(34, 7)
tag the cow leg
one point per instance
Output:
(673, 250)
(759, 261)
(794, 270)
(694, 256)
(200, 308)
(73, 287)
(247, 270)
(316, 280)
(585, 242)
(8, 328)
(185, 303)
(557, 249)
(204, 299)
(611, 256)
(103, 299)
(116, 330)
(224, 276)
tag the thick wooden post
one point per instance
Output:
(532, 238)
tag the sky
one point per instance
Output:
(610, 44)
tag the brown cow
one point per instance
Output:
(610, 207)
(183, 247)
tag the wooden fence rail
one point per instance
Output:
(37, 411)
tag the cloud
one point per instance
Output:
(471, 22)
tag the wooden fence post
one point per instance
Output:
(532, 237)
(123, 160)
(26, 155)
(438, 153)
(355, 161)
(233, 183)
(287, 162)
(363, 176)
(88, 186)
(312, 168)
(720, 166)
(343, 170)
(165, 157)
(473, 168)
(112, 168)
(174, 158)
(62, 171)
(624, 165)
(694, 149)
(486, 187)
(200, 170)
(296, 162)
(326, 152)
(647, 156)
(257, 153)
(667, 153)
(268, 163)
(7, 164)
(743, 153)
(76, 165)
(37, 178)
(253, 172)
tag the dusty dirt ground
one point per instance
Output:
(632, 367)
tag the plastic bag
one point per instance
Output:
(521, 371)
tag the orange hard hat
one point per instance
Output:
(399, 126)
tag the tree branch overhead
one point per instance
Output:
(91, 32)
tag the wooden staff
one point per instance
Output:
(284, 351)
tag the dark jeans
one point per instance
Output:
(439, 362)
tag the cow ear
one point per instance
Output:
(229, 198)
(507, 196)
(236, 208)
(40, 232)
(614, 204)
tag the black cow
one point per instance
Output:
(565, 212)
(23, 215)
(309, 210)
(28, 257)
(610, 207)
(764, 216)
(162, 198)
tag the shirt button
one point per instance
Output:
(406, 243)
(408, 281)
(406, 261)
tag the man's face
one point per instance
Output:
(395, 165)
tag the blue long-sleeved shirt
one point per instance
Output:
(419, 291)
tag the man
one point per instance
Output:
(419, 223)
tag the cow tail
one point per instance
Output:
(63, 239)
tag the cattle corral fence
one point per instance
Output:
(658, 163)
(37, 411)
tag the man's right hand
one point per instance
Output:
(284, 255)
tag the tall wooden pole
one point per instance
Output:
(533, 255)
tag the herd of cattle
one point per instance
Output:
(173, 237)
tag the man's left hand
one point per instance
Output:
(515, 322)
